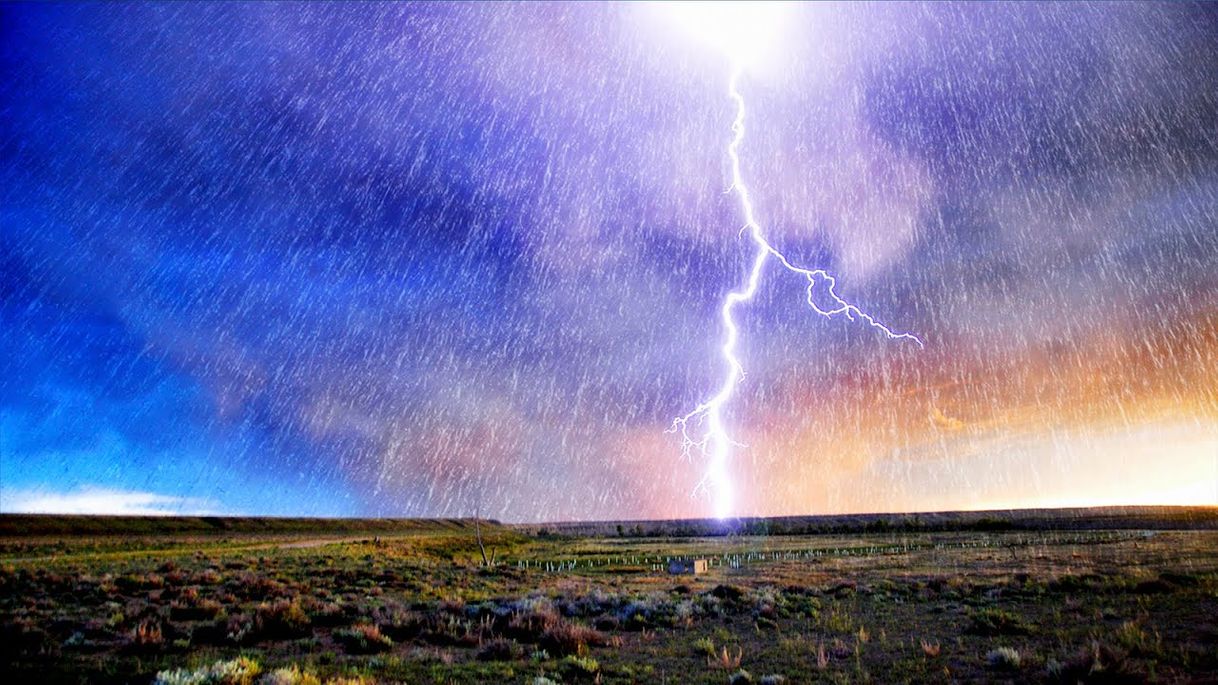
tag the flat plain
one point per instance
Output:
(883, 601)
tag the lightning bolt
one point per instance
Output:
(702, 430)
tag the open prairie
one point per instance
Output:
(281, 601)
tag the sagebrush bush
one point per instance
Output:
(239, 671)
(194, 609)
(500, 649)
(398, 623)
(740, 677)
(289, 676)
(363, 639)
(529, 623)
(1003, 658)
(282, 619)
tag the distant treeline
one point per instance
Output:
(48, 525)
(1106, 518)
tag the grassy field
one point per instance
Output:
(410, 601)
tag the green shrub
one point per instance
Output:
(1133, 639)
(995, 622)
(579, 666)
(704, 646)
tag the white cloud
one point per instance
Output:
(98, 500)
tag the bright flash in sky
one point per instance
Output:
(743, 31)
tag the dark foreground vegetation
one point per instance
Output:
(415, 603)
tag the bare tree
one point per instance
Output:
(478, 534)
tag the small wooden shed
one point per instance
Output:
(687, 566)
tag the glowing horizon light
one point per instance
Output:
(741, 30)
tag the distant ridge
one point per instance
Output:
(30, 525)
(1095, 518)
(1081, 518)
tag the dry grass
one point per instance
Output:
(565, 637)
(930, 649)
(726, 660)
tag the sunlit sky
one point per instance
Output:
(444, 259)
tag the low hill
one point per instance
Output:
(1102, 518)
(52, 525)
(1097, 518)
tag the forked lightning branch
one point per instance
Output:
(703, 431)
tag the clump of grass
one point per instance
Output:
(705, 647)
(578, 666)
(238, 628)
(565, 637)
(195, 609)
(930, 649)
(363, 639)
(289, 676)
(447, 629)
(258, 586)
(806, 605)
(133, 582)
(995, 622)
(1096, 663)
(532, 621)
(500, 649)
(837, 621)
(239, 671)
(146, 637)
(398, 623)
(822, 657)
(1003, 659)
(726, 660)
(208, 576)
(1133, 639)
